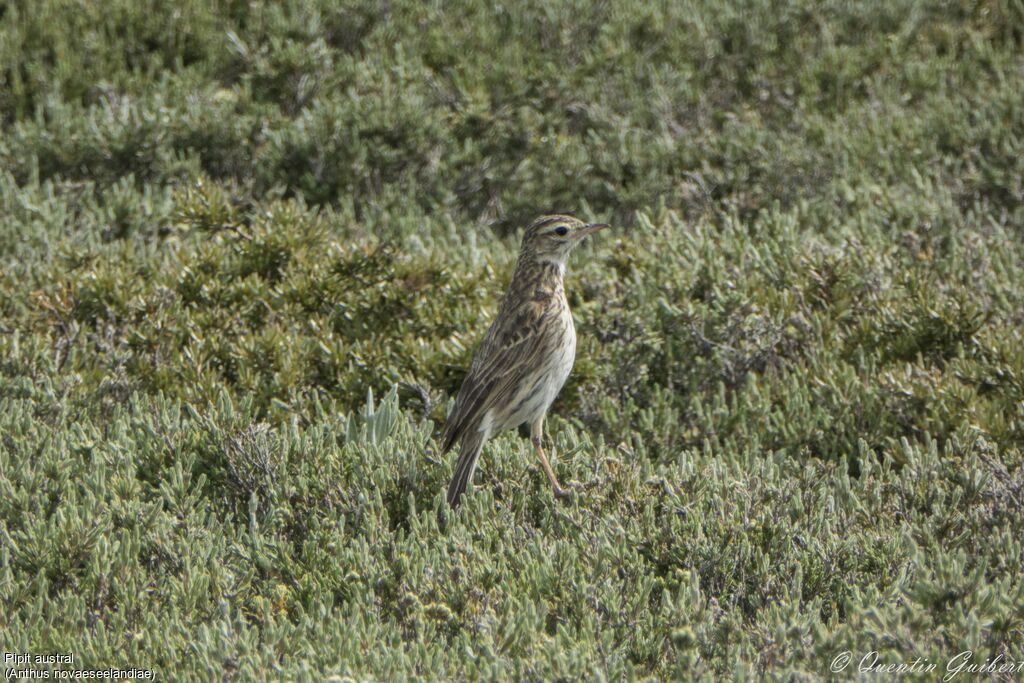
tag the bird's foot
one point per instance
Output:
(569, 490)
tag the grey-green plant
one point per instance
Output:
(247, 249)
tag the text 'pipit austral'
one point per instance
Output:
(526, 355)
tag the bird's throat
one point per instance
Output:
(536, 277)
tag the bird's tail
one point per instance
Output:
(469, 455)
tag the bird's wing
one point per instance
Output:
(514, 344)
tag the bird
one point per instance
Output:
(525, 356)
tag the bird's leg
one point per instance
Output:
(536, 432)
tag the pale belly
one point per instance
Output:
(534, 396)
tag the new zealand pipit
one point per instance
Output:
(526, 355)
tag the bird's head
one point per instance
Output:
(551, 238)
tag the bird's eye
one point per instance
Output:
(561, 231)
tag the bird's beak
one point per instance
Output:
(591, 229)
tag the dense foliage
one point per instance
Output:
(247, 248)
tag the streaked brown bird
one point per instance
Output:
(526, 355)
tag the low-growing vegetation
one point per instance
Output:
(248, 248)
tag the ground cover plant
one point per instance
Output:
(247, 248)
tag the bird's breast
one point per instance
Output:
(564, 359)
(538, 389)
